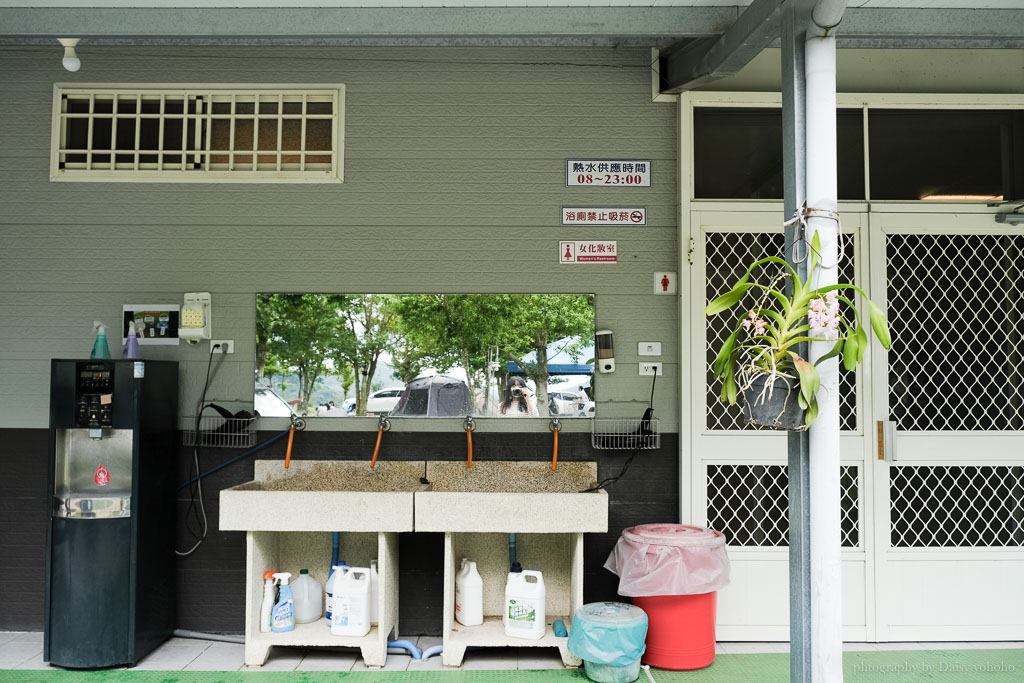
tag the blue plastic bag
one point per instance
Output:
(611, 633)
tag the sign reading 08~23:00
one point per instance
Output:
(608, 173)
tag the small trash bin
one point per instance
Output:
(672, 572)
(609, 638)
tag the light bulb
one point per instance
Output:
(71, 62)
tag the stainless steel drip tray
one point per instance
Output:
(94, 507)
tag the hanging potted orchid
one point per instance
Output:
(758, 360)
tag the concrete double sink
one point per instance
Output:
(491, 496)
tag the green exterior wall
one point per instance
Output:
(453, 182)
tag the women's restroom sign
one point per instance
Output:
(588, 252)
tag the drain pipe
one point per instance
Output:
(821, 196)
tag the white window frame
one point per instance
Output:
(256, 170)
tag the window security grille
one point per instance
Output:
(728, 256)
(956, 506)
(957, 322)
(149, 134)
(750, 504)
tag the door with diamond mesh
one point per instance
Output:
(949, 460)
(739, 472)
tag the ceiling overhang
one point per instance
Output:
(629, 26)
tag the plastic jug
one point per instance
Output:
(524, 605)
(351, 610)
(336, 571)
(374, 593)
(309, 598)
(469, 595)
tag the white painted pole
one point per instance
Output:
(826, 570)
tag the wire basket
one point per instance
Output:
(626, 434)
(220, 432)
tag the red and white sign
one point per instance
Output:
(588, 252)
(604, 216)
(664, 283)
(608, 173)
(102, 476)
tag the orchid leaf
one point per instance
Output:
(811, 414)
(878, 324)
(809, 379)
(815, 251)
(850, 358)
(727, 300)
(836, 350)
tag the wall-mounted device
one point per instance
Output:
(195, 317)
(605, 348)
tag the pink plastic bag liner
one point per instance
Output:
(669, 559)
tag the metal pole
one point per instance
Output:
(795, 15)
(826, 568)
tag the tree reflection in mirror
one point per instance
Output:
(343, 355)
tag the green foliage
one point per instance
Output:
(315, 335)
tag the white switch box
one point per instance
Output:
(650, 369)
(648, 348)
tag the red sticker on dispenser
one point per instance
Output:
(102, 476)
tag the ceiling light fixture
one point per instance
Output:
(71, 61)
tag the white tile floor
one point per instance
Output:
(20, 650)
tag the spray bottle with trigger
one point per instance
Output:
(100, 349)
(284, 610)
(269, 595)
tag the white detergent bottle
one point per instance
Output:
(351, 613)
(336, 571)
(374, 594)
(524, 605)
(469, 595)
(269, 598)
(309, 598)
(284, 610)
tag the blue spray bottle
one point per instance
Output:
(99, 347)
(284, 611)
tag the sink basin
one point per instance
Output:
(324, 495)
(511, 497)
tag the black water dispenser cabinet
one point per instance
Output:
(110, 539)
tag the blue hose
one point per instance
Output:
(406, 645)
(234, 459)
(431, 651)
(335, 541)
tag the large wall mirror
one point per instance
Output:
(425, 355)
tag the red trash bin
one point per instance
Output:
(672, 572)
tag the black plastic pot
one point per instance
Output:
(776, 408)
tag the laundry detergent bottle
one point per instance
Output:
(284, 610)
(525, 611)
(332, 580)
(351, 611)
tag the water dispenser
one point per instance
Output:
(110, 538)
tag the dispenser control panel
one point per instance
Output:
(94, 395)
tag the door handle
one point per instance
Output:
(887, 440)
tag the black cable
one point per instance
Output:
(195, 489)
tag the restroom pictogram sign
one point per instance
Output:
(664, 283)
(588, 252)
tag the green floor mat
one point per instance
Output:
(869, 666)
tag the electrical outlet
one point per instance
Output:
(650, 369)
(226, 346)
